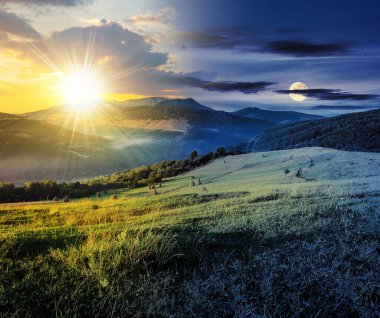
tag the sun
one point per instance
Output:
(81, 90)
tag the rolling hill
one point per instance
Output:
(250, 241)
(115, 137)
(355, 132)
(279, 117)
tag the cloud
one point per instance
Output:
(163, 16)
(155, 26)
(303, 48)
(206, 41)
(343, 107)
(330, 94)
(109, 45)
(236, 38)
(203, 80)
(11, 23)
(64, 3)
(243, 87)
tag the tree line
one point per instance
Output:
(145, 175)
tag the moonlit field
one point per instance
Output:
(211, 158)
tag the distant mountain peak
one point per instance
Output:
(184, 102)
(275, 116)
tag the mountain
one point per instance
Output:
(279, 117)
(188, 102)
(5, 116)
(354, 132)
(62, 143)
(161, 101)
(32, 149)
(149, 101)
(199, 129)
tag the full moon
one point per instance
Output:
(298, 86)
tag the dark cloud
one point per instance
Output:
(303, 48)
(64, 3)
(250, 40)
(206, 41)
(243, 87)
(342, 107)
(189, 79)
(329, 94)
(11, 23)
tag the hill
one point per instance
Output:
(279, 117)
(34, 150)
(354, 132)
(250, 241)
(5, 116)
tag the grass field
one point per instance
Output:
(250, 241)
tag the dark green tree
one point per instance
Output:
(220, 152)
(193, 155)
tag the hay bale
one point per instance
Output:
(66, 199)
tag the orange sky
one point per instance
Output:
(26, 86)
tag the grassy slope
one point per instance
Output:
(249, 241)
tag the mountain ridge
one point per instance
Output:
(358, 131)
(280, 117)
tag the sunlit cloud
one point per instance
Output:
(163, 16)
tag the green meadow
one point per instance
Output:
(291, 233)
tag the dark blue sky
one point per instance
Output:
(333, 46)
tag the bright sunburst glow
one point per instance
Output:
(81, 89)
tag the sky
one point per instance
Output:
(227, 54)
